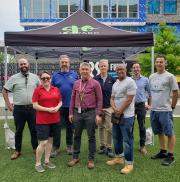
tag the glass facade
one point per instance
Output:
(40, 9)
(64, 8)
(170, 6)
(124, 8)
(153, 6)
(99, 8)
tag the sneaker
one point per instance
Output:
(169, 160)
(49, 165)
(15, 155)
(39, 169)
(127, 169)
(117, 160)
(143, 150)
(54, 153)
(90, 164)
(102, 150)
(110, 153)
(69, 150)
(72, 162)
(159, 155)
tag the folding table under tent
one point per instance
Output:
(79, 36)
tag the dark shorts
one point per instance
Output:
(44, 131)
(162, 122)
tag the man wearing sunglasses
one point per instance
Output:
(64, 80)
(22, 86)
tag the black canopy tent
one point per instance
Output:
(74, 34)
(79, 36)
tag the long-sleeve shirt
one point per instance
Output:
(86, 95)
(143, 89)
(106, 88)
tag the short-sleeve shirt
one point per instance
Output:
(22, 87)
(49, 99)
(120, 90)
(161, 86)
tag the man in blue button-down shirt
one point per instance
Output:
(142, 95)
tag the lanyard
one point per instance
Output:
(82, 90)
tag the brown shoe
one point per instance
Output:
(90, 164)
(15, 155)
(127, 169)
(143, 150)
(72, 162)
(117, 160)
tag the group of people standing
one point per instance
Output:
(63, 99)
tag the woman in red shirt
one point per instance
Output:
(47, 101)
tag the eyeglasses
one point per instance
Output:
(45, 78)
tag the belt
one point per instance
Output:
(84, 110)
(24, 106)
(139, 103)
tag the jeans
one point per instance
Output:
(140, 111)
(64, 114)
(23, 113)
(86, 119)
(123, 133)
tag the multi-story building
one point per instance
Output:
(134, 15)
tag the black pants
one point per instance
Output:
(140, 111)
(86, 119)
(23, 113)
(64, 114)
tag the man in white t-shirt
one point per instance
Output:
(162, 84)
(122, 102)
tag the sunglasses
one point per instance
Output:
(45, 78)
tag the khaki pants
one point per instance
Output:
(105, 128)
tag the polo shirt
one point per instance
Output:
(46, 98)
(22, 87)
(64, 81)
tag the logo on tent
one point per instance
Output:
(74, 29)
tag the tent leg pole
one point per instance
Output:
(36, 67)
(5, 79)
(152, 71)
(152, 60)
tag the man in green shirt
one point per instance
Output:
(22, 86)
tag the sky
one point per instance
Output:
(9, 17)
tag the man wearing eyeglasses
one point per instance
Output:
(22, 86)
(64, 80)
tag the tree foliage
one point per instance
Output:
(167, 43)
(11, 58)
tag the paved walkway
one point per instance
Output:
(2, 111)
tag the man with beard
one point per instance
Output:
(64, 81)
(22, 86)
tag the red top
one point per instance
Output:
(46, 98)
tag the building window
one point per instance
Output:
(133, 9)
(26, 9)
(170, 6)
(64, 8)
(124, 9)
(99, 8)
(36, 9)
(153, 6)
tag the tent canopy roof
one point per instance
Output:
(77, 31)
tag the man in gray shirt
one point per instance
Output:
(162, 84)
(22, 86)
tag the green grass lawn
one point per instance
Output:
(145, 169)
